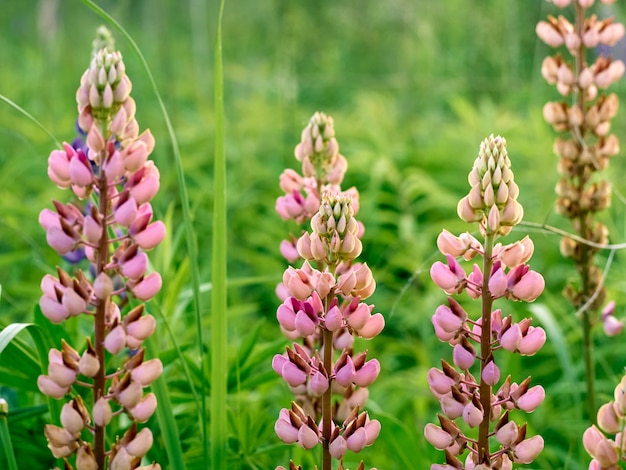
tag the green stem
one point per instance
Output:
(590, 371)
(5, 437)
(586, 258)
(219, 351)
(484, 455)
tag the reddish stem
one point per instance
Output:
(99, 326)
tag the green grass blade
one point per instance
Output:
(165, 417)
(6, 447)
(31, 118)
(192, 249)
(555, 334)
(219, 351)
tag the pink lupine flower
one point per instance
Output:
(325, 305)
(450, 277)
(527, 286)
(527, 450)
(531, 399)
(144, 410)
(532, 341)
(492, 203)
(491, 373)
(464, 356)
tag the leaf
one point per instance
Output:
(42, 344)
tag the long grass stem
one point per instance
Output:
(219, 331)
(6, 445)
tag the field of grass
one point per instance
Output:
(413, 87)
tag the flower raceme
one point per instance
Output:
(582, 71)
(115, 230)
(323, 306)
(611, 418)
(484, 404)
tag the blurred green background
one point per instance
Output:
(413, 86)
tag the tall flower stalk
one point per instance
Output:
(323, 306)
(477, 340)
(112, 174)
(584, 150)
(611, 418)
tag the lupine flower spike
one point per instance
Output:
(484, 404)
(323, 306)
(584, 149)
(114, 174)
(611, 418)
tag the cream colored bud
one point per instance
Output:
(61, 374)
(608, 107)
(107, 97)
(89, 364)
(85, 458)
(585, 80)
(59, 437)
(466, 211)
(602, 129)
(612, 33)
(489, 198)
(563, 88)
(94, 97)
(103, 286)
(141, 443)
(49, 387)
(115, 341)
(565, 74)
(71, 419)
(130, 395)
(555, 113)
(121, 461)
(592, 118)
(549, 69)
(575, 116)
(493, 219)
(60, 452)
(102, 412)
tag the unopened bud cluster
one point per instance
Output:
(492, 200)
(323, 169)
(608, 453)
(585, 120)
(323, 305)
(484, 404)
(115, 229)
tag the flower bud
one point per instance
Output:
(85, 458)
(115, 341)
(141, 443)
(102, 412)
(527, 450)
(59, 436)
(49, 387)
(437, 437)
(129, 394)
(122, 460)
(145, 408)
(147, 372)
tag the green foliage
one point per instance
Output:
(413, 87)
